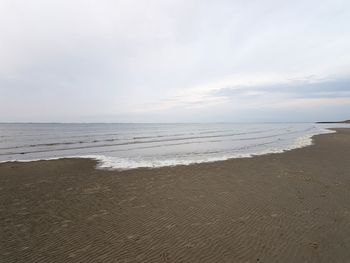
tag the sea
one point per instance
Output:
(133, 145)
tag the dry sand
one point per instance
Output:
(290, 207)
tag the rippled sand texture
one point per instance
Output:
(290, 207)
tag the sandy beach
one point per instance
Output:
(289, 207)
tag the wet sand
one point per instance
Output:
(289, 207)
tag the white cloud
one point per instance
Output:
(132, 57)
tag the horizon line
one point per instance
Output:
(220, 122)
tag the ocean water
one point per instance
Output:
(127, 146)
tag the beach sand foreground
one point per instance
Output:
(289, 207)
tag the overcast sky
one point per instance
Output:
(174, 61)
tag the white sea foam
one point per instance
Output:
(109, 162)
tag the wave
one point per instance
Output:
(144, 142)
(130, 140)
(119, 163)
(105, 162)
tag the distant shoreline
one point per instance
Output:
(328, 122)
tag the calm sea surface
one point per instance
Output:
(124, 146)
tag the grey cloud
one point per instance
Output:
(334, 88)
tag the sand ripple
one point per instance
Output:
(290, 207)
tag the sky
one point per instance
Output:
(174, 61)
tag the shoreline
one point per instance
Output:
(101, 159)
(280, 207)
